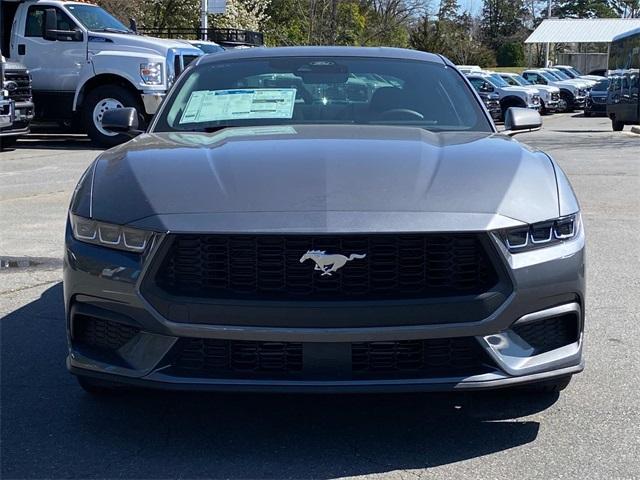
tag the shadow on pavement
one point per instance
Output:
(52, 429)
(54, 141)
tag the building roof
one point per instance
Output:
(583, 30)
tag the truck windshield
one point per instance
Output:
(498, 80)
(96, 19)
(522, 81)
(321, 90)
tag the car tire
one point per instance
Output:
(617, 126)
(568, 102)
(549, 386)
(99, 100)
(587, 114)
(99, 387)
(8, 142)
(543, 108)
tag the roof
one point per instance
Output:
(376, 52)
(628, 34)
(582, 30)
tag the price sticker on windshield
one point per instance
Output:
(239, 104)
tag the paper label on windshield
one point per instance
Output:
(239, 104)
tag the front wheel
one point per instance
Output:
(8, 142)
(98, 101)
(587, 114)
(565, 104)
(616, 125)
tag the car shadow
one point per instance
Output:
(54, 141)
(53, 429)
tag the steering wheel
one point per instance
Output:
(400, 114)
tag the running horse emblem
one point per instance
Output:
(329, 263)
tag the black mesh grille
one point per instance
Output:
(23, 91)
(105, 334)
(433, 357)
(268, 266)
(207, 357)
(215, 358)
(550, 333)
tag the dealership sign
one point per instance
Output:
(216, 6)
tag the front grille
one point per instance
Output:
(216, 358)
(550, 333)
(212, 357)
(433, 357)
(269, 267)
(23, 81)
(599, 99)
(103, 334)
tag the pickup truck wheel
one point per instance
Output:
(565, 104)
(616, 125)
(8, 142)
(98, 101)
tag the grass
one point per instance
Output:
(508, 69)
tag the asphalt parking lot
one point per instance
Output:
(50, 428)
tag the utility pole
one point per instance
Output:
(546, 56)
(204, 19)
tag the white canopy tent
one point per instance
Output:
(581, 30)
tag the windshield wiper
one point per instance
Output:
(110, 30)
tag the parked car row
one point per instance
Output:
(548, 90)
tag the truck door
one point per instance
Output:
(54, 64)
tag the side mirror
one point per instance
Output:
(50, 25)
(52, 33)
(122, 120)
(133, 25)
(519, 120)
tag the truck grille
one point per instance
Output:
(22, 93)
(269, 266)
(217, 358)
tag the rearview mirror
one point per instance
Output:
(519, 120)
(122, 120)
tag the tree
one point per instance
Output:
(510, 55)
(503, 21)
(244, 14)
(584, 9)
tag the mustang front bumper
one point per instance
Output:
(516, 344)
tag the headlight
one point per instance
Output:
(109, 235)
(541, 234)
(582, 92)
(151, 73)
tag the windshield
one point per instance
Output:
(522, 81)
(561, 75)
(568, 72)
(549, 76)
(498, 80)
(576, 71)
(96, 19)
(602, 85)
(321, 90)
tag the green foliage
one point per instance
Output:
(510, 54)
(585, 9)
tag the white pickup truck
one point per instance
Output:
(83, 62)
(510, 96)
(572, 96)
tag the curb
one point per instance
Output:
(635, 129)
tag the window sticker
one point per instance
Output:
(239, 104)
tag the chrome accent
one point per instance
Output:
(329, 263)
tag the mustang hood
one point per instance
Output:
(321, 178)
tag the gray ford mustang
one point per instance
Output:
(324, 219)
